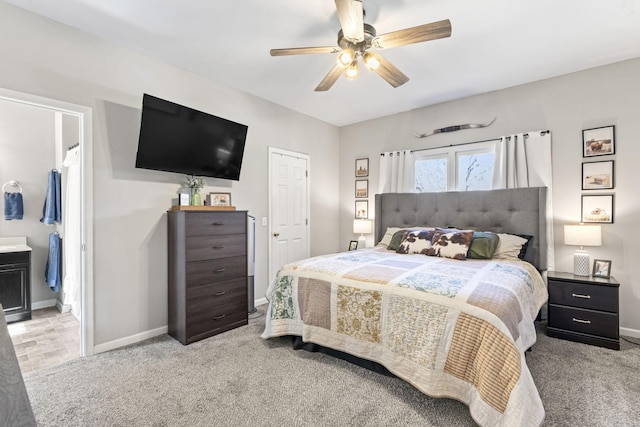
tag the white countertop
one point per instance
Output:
(13, 244)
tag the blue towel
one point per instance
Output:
(53, 267)
(52, 209)
(13, 208)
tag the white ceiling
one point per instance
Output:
(494, 44)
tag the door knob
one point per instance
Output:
(276, 234)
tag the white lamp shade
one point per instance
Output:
(362, 226)
(583, 235)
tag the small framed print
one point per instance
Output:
(598, 141)
(362, 167)
(362, 189)
(601, 268)
(597, 208)
(219, 199)
(362, 209)
(353, 245)
(597, 175)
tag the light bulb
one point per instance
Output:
(371, 60)
(352, 70)
(346, 57)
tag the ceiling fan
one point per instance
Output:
(355, 38)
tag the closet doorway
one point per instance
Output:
(65, 119)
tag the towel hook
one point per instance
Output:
(12, 183)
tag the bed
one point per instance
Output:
(455, 323)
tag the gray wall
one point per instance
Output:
(47, 59)
(565, 105)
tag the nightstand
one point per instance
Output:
(584, 309)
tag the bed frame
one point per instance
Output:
(516, 211)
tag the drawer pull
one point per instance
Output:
(219, 294)
(588, 322)
(219, 270)
(217, 223)
(217, 247)
(222, 316)
(581, 296)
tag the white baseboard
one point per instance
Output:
(260, 301)
(64, 308)
(44, 304)
(132, 339)
(628, 332)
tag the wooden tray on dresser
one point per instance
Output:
(203, 208)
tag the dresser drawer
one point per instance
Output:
(584, 321)
(215, 270)
(594, 297)
(212, 247)
(220, 224)
(214, 307)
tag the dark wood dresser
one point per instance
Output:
(584, 309)
(207, 273)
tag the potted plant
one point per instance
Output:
(195, 184)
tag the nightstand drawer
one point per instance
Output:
(584, 321)
(594, 297)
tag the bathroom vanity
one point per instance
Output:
(15, 280)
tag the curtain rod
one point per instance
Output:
(526, 135)
(77, 144)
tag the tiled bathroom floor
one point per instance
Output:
(48, 339)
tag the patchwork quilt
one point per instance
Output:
(451, 328)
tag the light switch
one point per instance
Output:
(264, 221)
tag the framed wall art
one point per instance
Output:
(597, 208)
(597, 175)
(598, 141)
(362, 189)
(362, 209)
(362, 167)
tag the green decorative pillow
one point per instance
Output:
(394, 244)
(483, 245)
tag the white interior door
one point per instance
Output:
(289, 208)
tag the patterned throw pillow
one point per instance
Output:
(451, 243)
(416, 241)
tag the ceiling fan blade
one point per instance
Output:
(388, 71)
(304, 50)
(330, 79)
(421, 33)
(351, 18)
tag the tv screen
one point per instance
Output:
(175, 138)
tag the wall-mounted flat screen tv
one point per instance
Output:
(175, 138)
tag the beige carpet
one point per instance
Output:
(238, 379)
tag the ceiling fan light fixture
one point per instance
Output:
(351, 71)
(371, 60)
(346, 57)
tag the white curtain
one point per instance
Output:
(72, 238)
(396, 172)
(524, 160)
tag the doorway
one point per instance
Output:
(288, 207)
(81, 119)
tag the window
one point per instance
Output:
(462, 168)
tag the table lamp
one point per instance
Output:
(362, 227)
(582, 235)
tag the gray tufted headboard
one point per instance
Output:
(517, 211)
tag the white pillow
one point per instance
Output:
(386, 239)
(509, 246)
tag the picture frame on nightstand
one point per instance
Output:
(601, 268)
